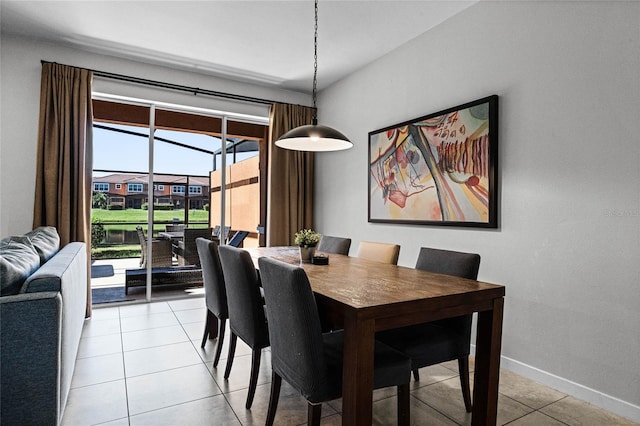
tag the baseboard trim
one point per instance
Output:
(576, 390)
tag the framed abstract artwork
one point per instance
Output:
(439, 169)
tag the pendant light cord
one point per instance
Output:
(315, 66)
(314, 138)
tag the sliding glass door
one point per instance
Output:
(159, 183)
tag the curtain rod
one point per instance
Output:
(178, 87)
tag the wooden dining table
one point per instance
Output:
(364, 297)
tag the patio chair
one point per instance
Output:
(224, 234)
(187, 251)
(221, 234)
(238, 238)
(160, 248)
(177, 227)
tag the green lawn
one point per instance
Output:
(139, 215)
(116, 252)
(127, 220)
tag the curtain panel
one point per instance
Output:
(65, 159)
(290, 178)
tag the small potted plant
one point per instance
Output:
(307, 240)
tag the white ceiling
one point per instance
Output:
(264, 42)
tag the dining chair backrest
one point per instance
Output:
(379, 252)
(336, 245)
(459, 264)
(176, 228)
(294, 327)
(213, 279)
(216, 231)
(244, 300)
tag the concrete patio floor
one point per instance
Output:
(111, 273)
(115, 278)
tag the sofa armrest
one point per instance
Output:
(71, 260)
(30, 358)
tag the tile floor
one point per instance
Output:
(143, 365)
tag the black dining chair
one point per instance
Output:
(443, 340)
(336, 245)
(307, 359)
(214, 292)
(247, 318)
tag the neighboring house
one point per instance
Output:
(131, 190)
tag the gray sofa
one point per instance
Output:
(42, 311)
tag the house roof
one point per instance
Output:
(158, 179)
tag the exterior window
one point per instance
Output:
(134, 187)
(117, 201)
(118, 186)
(158, 187)
(195, 189)
(177, 189)
(101, 187)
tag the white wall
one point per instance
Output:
(568, 248)
(19, 110)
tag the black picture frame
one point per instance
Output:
(440, 169)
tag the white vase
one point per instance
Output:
(306, 253)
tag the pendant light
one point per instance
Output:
(314, 137)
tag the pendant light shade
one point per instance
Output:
(314, 137)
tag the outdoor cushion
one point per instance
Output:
(46, 241)
(18, 260)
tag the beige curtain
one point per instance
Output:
(291, 175)
(64, 168)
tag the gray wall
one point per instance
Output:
(20, 107)
(568, 249)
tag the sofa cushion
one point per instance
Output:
(18, 260)
(46, 241)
